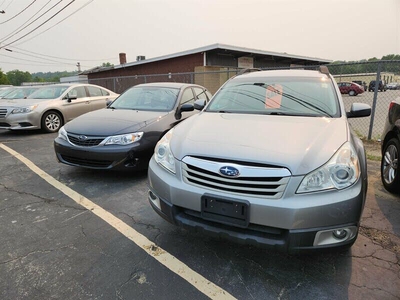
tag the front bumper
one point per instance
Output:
(135, 156)
(294, 222)
(28, 121)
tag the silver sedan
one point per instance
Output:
(52, 106)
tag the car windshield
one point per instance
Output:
(5, 91)
(278, 96)
(50, 92)
(147, 98)
(19, 93)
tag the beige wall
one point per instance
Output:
(213, 81)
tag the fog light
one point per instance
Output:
(339, 233)
(154, 199)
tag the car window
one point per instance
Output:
(104, 92)
(187, 97)
(147, 98)
(50, 92)
(78, 92)
(286, 96)
(200, 93)
(94, 91)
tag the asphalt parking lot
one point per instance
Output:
(70, 233)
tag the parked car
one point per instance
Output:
(362, 83)
(271, 160)
(390, 174)
(381, 86)
(20, 92)
(393, 86)
(351, 88)
(124, 135)
(50, 107)
(4, 91)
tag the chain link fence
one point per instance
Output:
(362, 73)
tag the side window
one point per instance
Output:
(187, 97)
(78, 92)
(200, 93)
(105, 93)
(94, 91)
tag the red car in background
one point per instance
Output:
(351, 88)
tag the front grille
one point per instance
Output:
(87, 162)
(3, 112)
(88, 142)
(262, 181)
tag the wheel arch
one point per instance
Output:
(51, 110)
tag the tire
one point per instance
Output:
(390, 175)
(51, 122)
(352, 93)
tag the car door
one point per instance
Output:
(76, 102)
(98, 99)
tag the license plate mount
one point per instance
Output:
(225, 210)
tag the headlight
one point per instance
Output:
(163, 154)
(62, 134)
(124, 139)
(340, 172)
(23, 110)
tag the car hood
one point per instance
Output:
(20, 102)
(105, 122)
(300, 144)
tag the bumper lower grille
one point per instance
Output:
(87, 162)
(266, 182)
(3, 112)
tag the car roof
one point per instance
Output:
(176, 85)
(282, 73)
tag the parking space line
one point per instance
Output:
(175, 265)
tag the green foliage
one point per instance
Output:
(3, 78)
(107, 64)
(16, 77)
(52, 76)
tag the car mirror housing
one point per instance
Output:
(187, 107)
(359, 110)
(199, 104)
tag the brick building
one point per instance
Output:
(209, 66)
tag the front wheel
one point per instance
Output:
(390, 166)
(352, 93)
(51, 122)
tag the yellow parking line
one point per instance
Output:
(175, 265)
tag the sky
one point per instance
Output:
(93, 32)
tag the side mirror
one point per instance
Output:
(359, 110)
(199, 104)
(70, 98)
(183, 107)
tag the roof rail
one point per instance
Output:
(248, 71)
(324, 70)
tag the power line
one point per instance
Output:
(56, 23)
(17, 13)
(71, 59)
(26, 59)
(16, 30)
(37, 27)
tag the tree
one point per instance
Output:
(17, 77)
(107, 64)
(3, 78)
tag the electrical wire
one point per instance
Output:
(11, 34)
(17, 13)
(56, 23)
(37, 27)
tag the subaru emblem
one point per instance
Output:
(82, 138)
(229, 171)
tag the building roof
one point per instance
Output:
(240, 51)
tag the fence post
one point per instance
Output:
(378, 76)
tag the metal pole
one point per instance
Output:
(371, 124)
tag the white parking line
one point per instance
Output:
(175, 265)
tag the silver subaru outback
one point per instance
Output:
(271, 160)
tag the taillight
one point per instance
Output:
(391, 105)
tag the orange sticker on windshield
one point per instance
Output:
(273, 96)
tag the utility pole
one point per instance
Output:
(79, 66)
